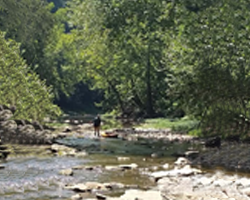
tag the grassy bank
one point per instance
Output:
(183, 125)
(178, 125)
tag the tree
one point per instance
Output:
(123, 43)
(22, 88)
(45, 46)
(215, 85)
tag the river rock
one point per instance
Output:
(123, 158)
(63, 150)
(80, 196)
(244, 182)
(166, 166)
(185, 171)
(77, 197)
(80, 187)
(131, 166)
(4, 154)
(139, 195)
(67, 172)
(100, 196)
(205, 181)
(5, 114)
(154, 155)
(222, 182)
(192, 154)
(182, 162)
(112, 167)
(121, 167)
(81, 154)
(87, 187)
(246, 191)
(114, 185)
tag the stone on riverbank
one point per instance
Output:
(139, 195)
(185, 171)
(121, 167)
(165, 166)
(62, 150)
(123, 158)
(131, 166)
(182, 162)
(15, 131)
(217, 186)
(66, 172)
(94, 186)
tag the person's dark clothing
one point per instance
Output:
(97, 122)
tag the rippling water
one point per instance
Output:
(36, 177)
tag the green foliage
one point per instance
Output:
(176, 125)
(21, 87)
(123, 45)
(214, 82)
(149, 58)
(45, 46)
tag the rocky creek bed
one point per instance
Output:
(141, 164)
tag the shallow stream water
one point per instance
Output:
(32, 173)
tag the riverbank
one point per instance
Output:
(117, 171)
(231, 156)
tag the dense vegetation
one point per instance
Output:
(141, 58)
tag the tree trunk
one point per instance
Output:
(118, 96)
(136, 99)
(150, 109)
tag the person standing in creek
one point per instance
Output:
(97, 124)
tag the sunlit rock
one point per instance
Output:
(67, 172)
(244, 182)
(87, 187)
(154, 155)
(123, 158)
(182, 162)
(130, 166)
(138, 194)
(185, 171)
(246, 191)
(62, 150)
(100, 196)
(81, 154)
(222, 182)
(166, 166)
(112, 167)
(5, 115)
(205, 181)
(114, 185)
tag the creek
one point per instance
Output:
(32, 172)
